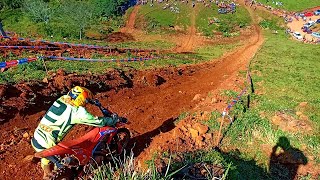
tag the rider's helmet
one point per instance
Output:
(80, 95)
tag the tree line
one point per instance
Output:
(70, 15)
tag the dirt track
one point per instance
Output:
(188, 45)
(129, 28)
(151, 100)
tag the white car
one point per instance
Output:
(297, 35)
(316, 34)
(309, 24)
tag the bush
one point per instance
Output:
(269, 24)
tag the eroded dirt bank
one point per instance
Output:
(151, 100)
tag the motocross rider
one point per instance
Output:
(65, 112)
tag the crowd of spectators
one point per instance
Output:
(224, 6)
(287, 16)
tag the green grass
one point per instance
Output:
(15, 21)
(290, 74)
(210, 52)
(235, 164)
(293, 5)
(36, 70)
(125, 167)
(228, 22)
(155, 44)
(157, 18)
(270, 21)
(19, 22)
(287, 72)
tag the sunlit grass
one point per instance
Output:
(286, 73)
(292, 5)
(228, 23)
(36, 70)
(159, 18)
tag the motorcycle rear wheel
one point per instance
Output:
(61, 174)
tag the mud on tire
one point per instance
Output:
(61, 174)
(121, 139)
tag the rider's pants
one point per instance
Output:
(44, 161)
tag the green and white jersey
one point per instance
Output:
(60, 118)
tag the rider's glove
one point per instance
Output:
(124, 120)
(118, 119)
(115, 117)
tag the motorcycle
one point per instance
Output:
(99, 145)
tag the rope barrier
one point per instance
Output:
(230, 105)
(76, 45)
(234, 101)
(5, 37)
(12, 63)
(100, 60)
(27, 47)
(56, 43)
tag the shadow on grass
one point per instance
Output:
(285, 160)
(243, 168)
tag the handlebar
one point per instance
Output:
(106, 112)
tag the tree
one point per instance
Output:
(38, 10)
(10, 4)
(109, 8)
(77, 13)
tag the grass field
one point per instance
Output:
(36, 70)
(228, 23)
(160, 19)
(285, 74)
(293, 5)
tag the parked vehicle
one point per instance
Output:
(316, 34)
(312, 22)
(309, 24)
(99, 145)
(307, 30)
(222, 11)
(301, 15)
(316, 12)
(308, 14)
(318, 21)
(297, 35)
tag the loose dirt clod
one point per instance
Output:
(289, 123)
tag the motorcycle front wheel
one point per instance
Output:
(122, 139)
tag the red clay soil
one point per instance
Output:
(129, 28)
(151, 100)
(119, 37)
(188, 45)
